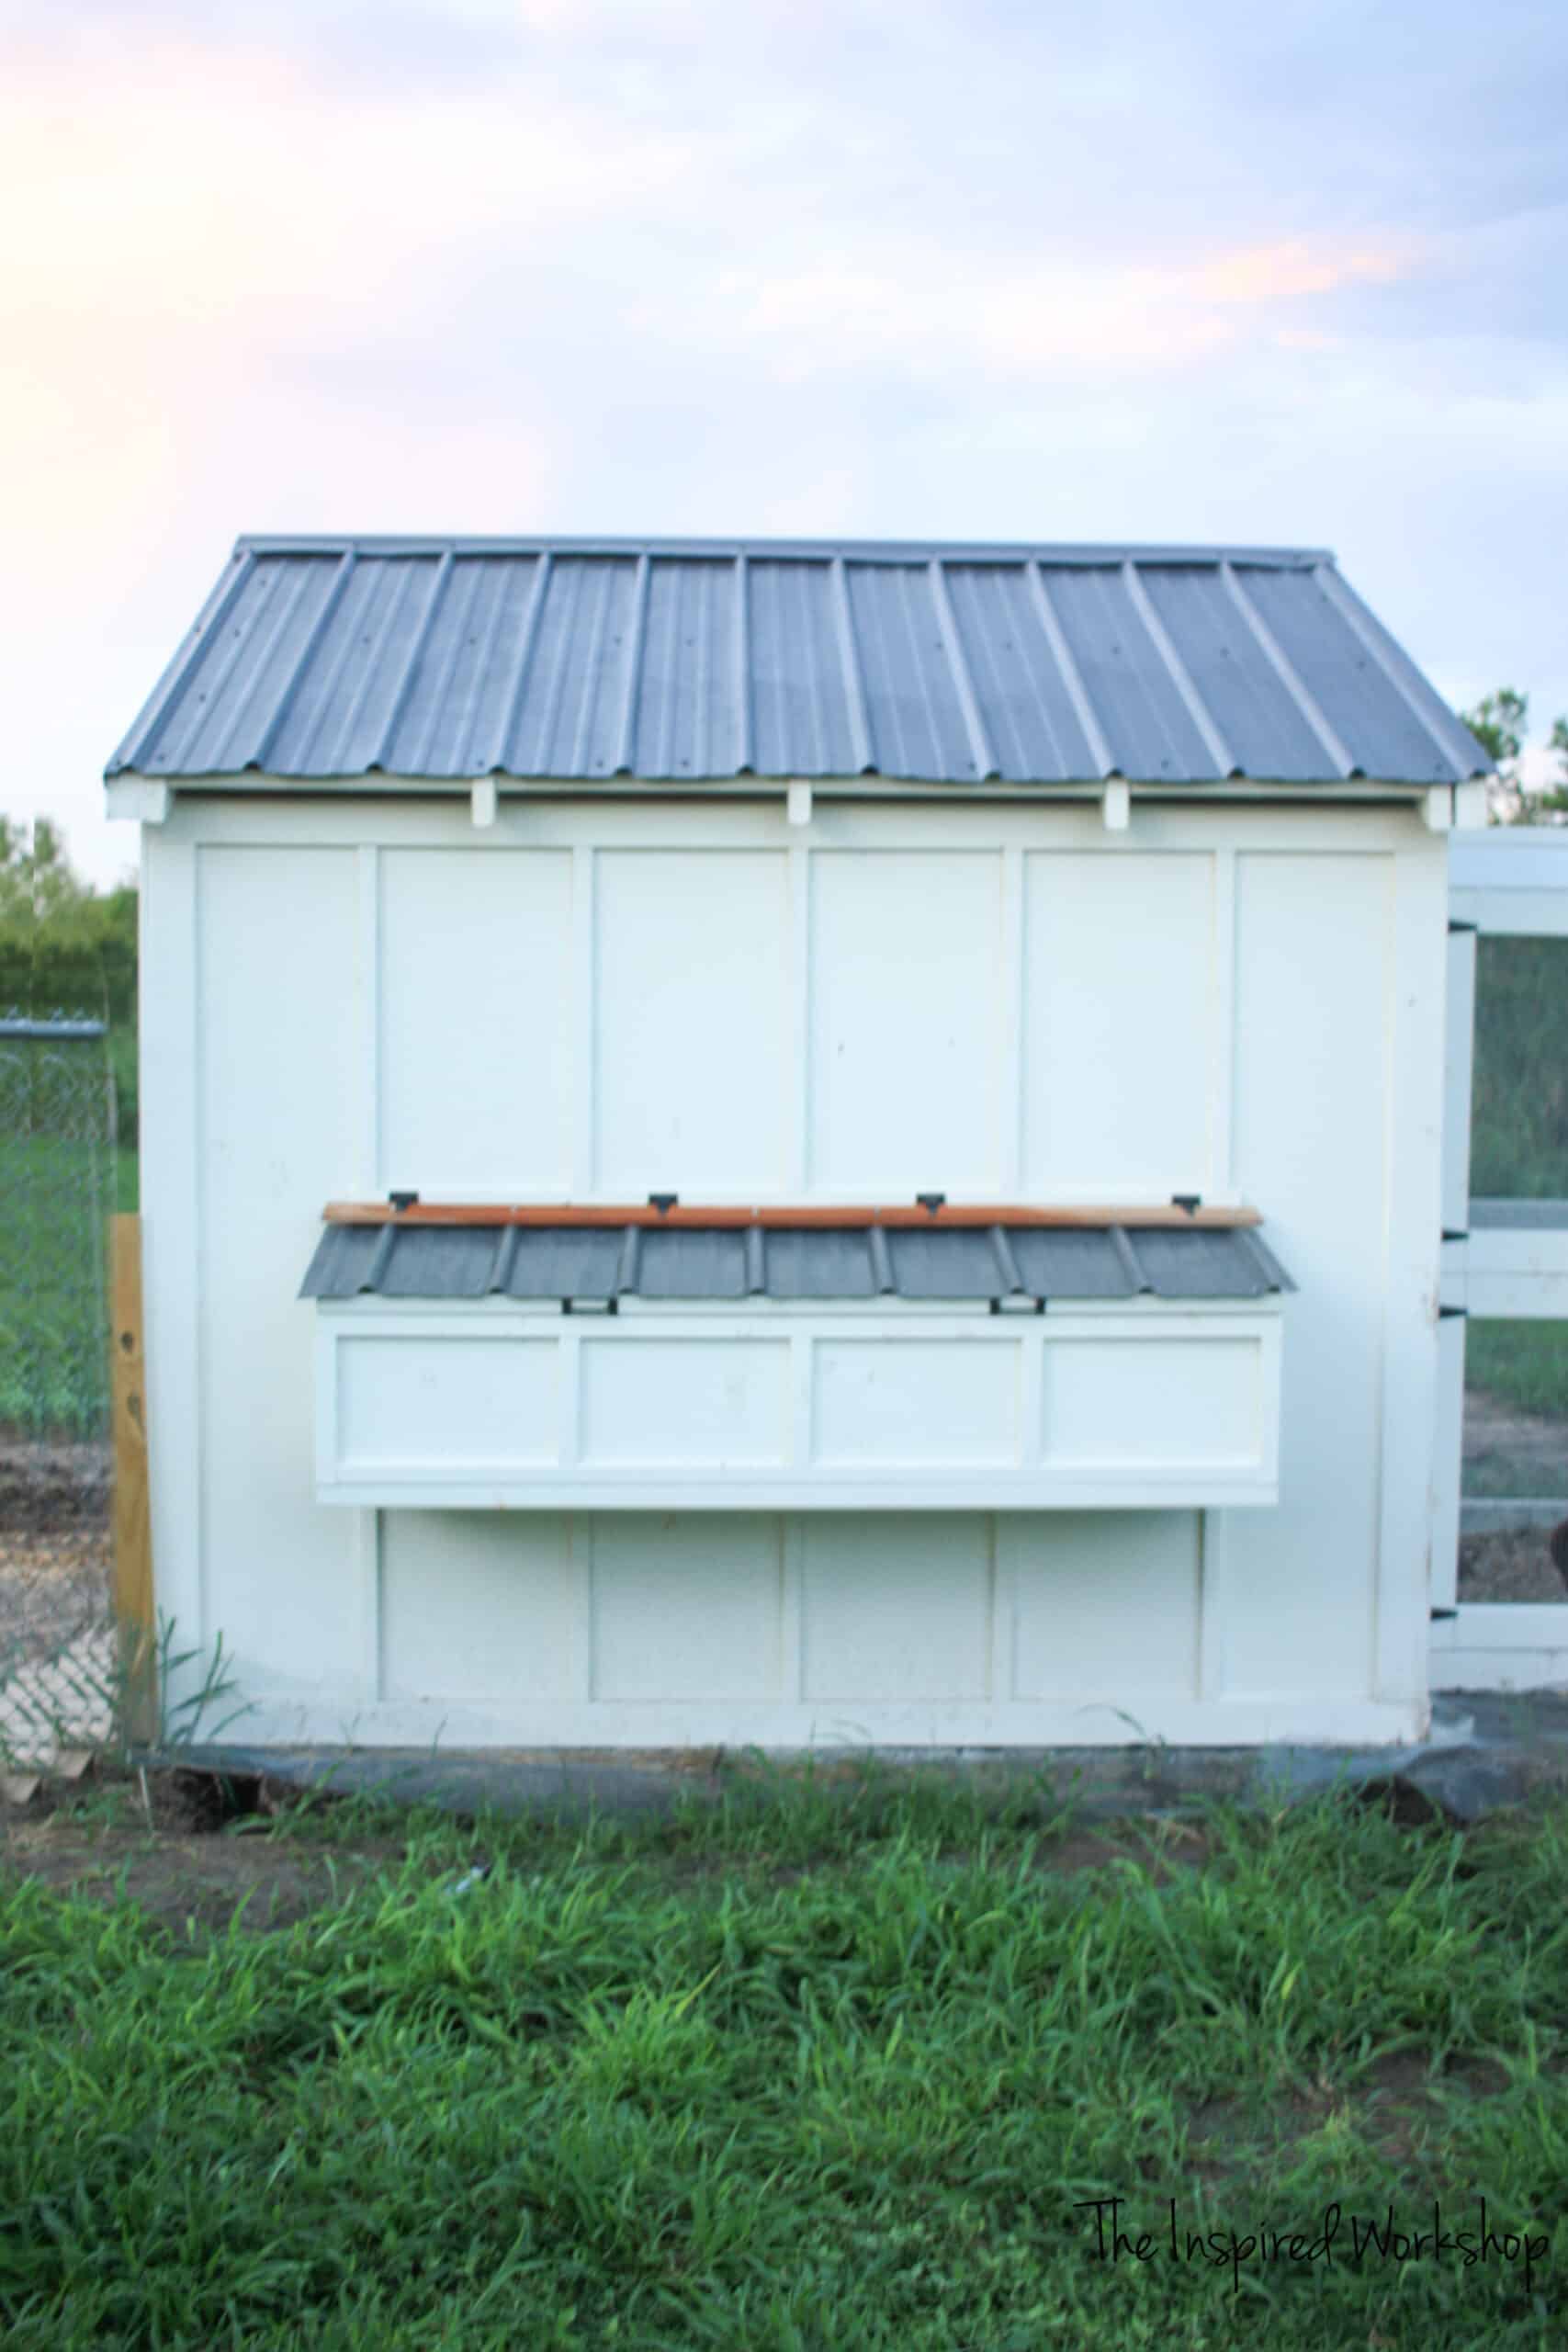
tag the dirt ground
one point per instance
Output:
(190, 1848)
(1510, 1452)
(175, 1844)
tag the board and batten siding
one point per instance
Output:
(597, 1001)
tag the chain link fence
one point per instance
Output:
(58, 1648)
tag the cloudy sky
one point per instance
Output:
(996, 269)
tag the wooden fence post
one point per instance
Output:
(132, 1523)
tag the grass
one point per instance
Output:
(808, 2068)
(1522, 1364)
(1519, 1122)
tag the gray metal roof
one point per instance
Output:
(979, 1264)
(588, 660)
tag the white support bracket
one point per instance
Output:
(1438, 809)
(135, 798)
(1116, 805)
(481, 801)
(798, 801)
(1469, 806)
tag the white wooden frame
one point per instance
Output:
(1504, 1261)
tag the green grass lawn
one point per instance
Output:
(1520, 1127)
(1522, 1364)
(802, 2071)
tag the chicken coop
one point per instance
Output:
(794, 1144)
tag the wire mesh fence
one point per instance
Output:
(58, 1648)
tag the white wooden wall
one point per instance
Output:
(600, 1001)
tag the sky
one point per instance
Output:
(967, 269)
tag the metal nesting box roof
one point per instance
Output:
(583, 661)
(982, 1263)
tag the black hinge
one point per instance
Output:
(931, 1201)
(1462, 926)
(1438, 1615)
(1447, 1312)
(1191, 1202)
(1456, 1236)
(404, 1200)
(663, 1202)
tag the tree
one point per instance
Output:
(1498, 723)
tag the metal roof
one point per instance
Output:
(979, 1264)
(668, 661)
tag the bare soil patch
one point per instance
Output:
(1397, 2105)
(189, 1855)
(1509, 1563)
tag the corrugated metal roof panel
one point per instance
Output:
(574, 1262)
(579, 661)
(732, 1263)
(1070, 1264)
(819, 1265)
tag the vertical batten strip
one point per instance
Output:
(981, 752)
(1013, 1042)
(1072, 677)
(372, 1605)
(367, 1011)
(1197, 709)
(799, 1173)
(854, 681)
(623, 761)
(1221, 1181)
(792, 1645)
(172, 1195)
(1214, 1613)
(583, 1017)
(744, 759)
(1285, 669)
(308, 652)
(199, 1228)
(522, 663)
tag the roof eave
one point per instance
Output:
(254, 782)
